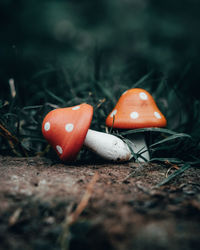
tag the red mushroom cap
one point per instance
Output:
(65, 129)
(136, 108)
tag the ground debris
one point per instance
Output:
(106, 214)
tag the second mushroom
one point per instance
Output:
(136, 108)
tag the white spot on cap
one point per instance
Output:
(114, 112)
(69, 127)
(47, 126)
(125, 92)
(134, 115)
(143, 96)
(157, 115)
(59, 149)
(76, 107)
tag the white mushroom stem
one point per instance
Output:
(107, 146)
(139, 146)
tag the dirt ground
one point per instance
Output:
(37, 196)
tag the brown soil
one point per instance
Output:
(36, 196)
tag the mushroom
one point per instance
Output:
(136, 108)
(67, 129)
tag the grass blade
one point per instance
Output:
(165, 159)
(142, 79)
(172, 176)
(108, 93)
(55, 97)
(153, 129)
(170, 138)
(135, 156)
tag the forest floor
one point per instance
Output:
(46, 205)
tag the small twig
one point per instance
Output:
(7, 134)
(14, 217)
(171, 167)
(12, 140)
(168, 171)
(101, 101)
(84, 201)
(12, 87)
(72, 218)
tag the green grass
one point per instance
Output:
(21, 126)
(95, 61)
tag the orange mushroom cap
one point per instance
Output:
(136, 108)
(65, 129)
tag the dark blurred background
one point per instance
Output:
(136, 35)
(62, 49)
